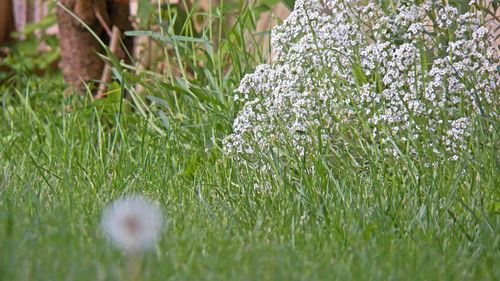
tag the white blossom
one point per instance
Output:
(338, 62)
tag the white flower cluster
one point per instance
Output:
(411, 73)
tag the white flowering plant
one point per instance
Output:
(409, 78)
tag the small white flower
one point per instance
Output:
(132, 223)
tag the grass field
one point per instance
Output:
(63, 159)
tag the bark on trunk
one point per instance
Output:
(79, 49)
(6, 20)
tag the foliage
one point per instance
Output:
(25, 60)
(64, 158)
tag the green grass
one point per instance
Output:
(64, 159)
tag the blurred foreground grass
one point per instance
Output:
(64, 158)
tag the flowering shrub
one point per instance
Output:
(412, 77)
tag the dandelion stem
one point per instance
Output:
(133, 267)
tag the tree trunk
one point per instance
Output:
(6, 20)
(79, 49)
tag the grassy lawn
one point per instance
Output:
(64, 158)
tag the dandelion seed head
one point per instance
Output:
(132, 223)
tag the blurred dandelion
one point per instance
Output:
(132, 223)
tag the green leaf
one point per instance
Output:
(167, 38)
(269, 3)
(289, 4)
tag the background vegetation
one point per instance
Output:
(64, 158)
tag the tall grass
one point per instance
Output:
(64, 158)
